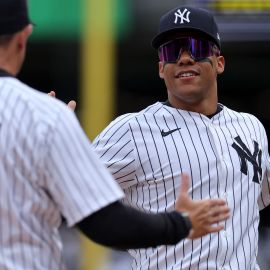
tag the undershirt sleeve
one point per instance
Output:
(122, 227)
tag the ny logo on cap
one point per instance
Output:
(184, 16)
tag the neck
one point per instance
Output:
(206, 107)
(8, 69)
(10, 58)
(8, 62)
(202, 101)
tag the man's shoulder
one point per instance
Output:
(243, 115)
(124, 123)
(13, 85)
(129, 118)
(31, 101)
(19, 89)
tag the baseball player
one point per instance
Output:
(225, 152)
(49, 174)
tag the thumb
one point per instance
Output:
(183, 201)
(184, 185)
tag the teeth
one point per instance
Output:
(186, 74)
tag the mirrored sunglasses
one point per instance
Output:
(197, 47)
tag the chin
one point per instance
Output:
(190, 94)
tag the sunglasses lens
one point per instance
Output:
(201, 48)
(169, 52)
(198, 48)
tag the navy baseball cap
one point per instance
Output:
(186, 19)
(13, 16)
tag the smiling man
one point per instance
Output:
(51, 176)
(225, 152)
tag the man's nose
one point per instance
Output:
(185, 58)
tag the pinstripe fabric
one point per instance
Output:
(147, 165)
(48, 171)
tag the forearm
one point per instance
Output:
(123, 227)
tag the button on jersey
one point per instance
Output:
(226, 157)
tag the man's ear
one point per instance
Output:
(161, 69)
(23, 36)
(220, 64)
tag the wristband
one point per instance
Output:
(187, 220)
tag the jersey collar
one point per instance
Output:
(219, 108)
(4, 73)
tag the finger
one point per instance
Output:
(72, 105)
(184, 184)
(219, 218)
(215, 229)
(194, 234)
(215, 211)
(216, 202)
(51, 93)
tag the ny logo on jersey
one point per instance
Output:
(180, 15)
(245, 155)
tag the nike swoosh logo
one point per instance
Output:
(166, 133)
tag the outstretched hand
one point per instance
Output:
(204, 215)
(71, 104)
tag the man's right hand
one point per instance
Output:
(204, 215)
(71, 104)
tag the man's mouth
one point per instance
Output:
(186, 74)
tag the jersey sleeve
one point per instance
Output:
(76, 179)
(264, 198)
(115, 147)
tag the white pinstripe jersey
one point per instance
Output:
(226, 157)
(48, 171)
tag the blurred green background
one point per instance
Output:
(64, 19)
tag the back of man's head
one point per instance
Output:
(13, 16)
(15, 28)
